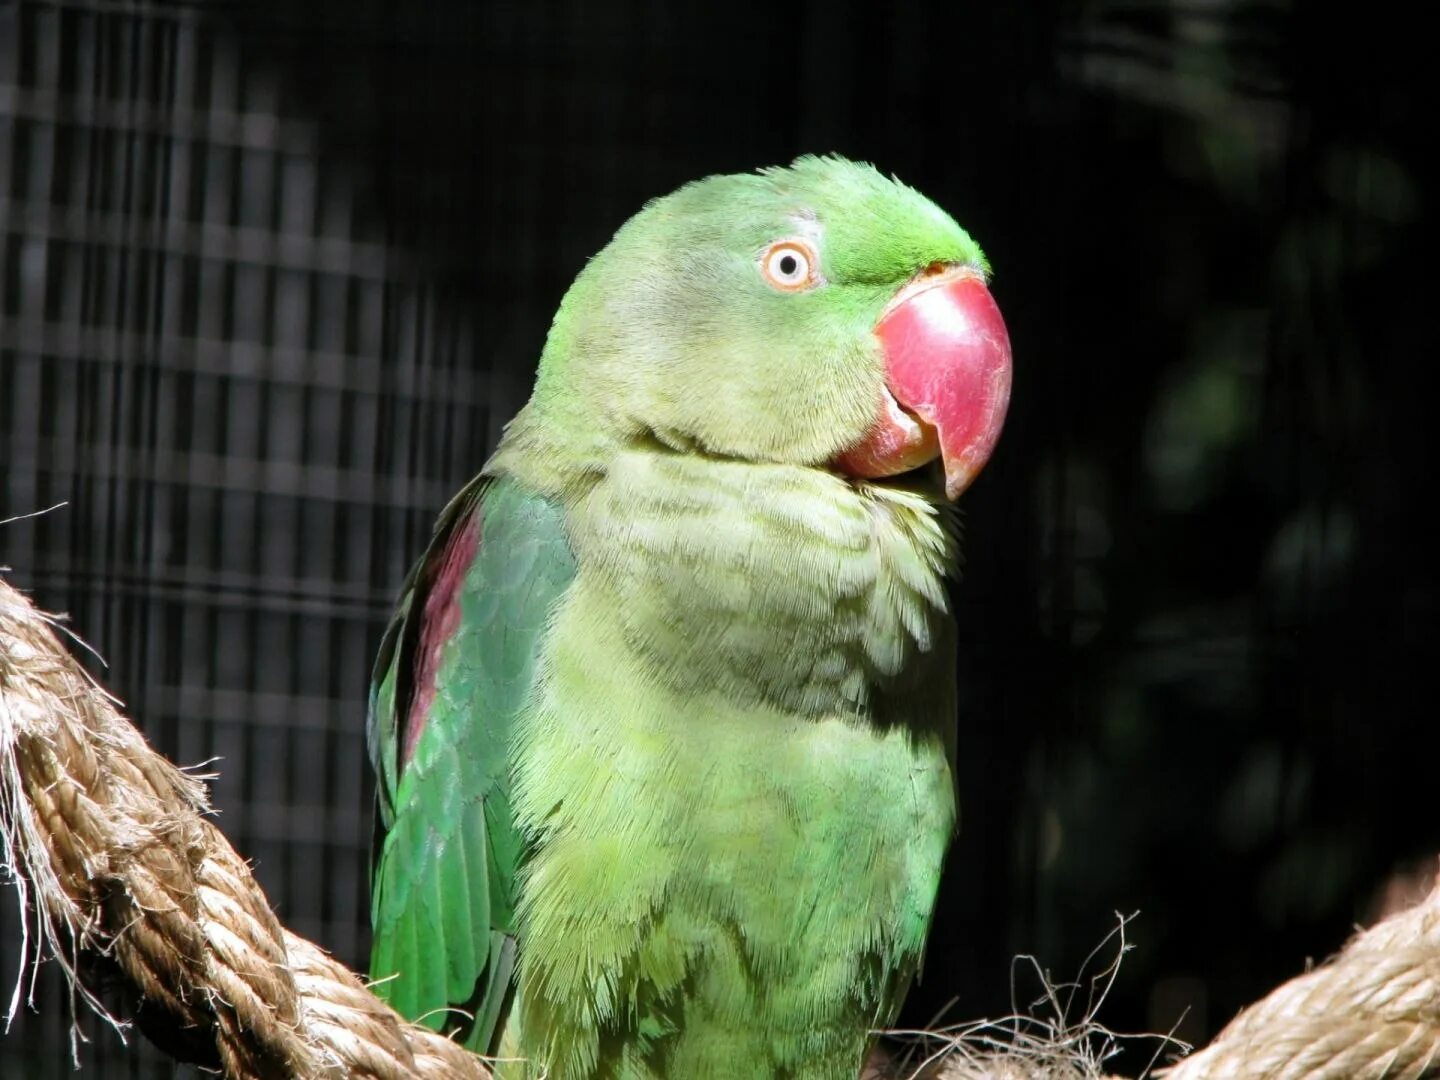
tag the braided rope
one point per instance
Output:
(114, 841)
(1372, 1011)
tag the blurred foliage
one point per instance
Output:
(1242, 753)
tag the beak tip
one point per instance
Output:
(958, 479)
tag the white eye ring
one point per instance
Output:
(789, 265)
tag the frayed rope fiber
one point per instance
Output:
(114, 843)
(1371, 1012)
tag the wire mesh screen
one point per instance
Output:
(251, 411)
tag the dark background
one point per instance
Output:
(273, 275)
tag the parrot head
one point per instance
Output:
(818, 314)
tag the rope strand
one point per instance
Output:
(114, 840)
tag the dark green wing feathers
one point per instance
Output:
(454, 670)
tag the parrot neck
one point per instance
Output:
(552, 453)
(780, 584)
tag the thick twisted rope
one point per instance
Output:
(1372, 1011)
(114, 841)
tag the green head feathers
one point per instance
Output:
(733, 317)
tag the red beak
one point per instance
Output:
(947, 377)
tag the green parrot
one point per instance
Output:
(664, 725)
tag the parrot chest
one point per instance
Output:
(737, 802)
(721, 881)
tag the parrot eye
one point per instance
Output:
(790, 266)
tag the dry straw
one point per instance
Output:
(112, 852)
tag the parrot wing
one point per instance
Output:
(454, 671)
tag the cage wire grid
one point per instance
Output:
(251, 405)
